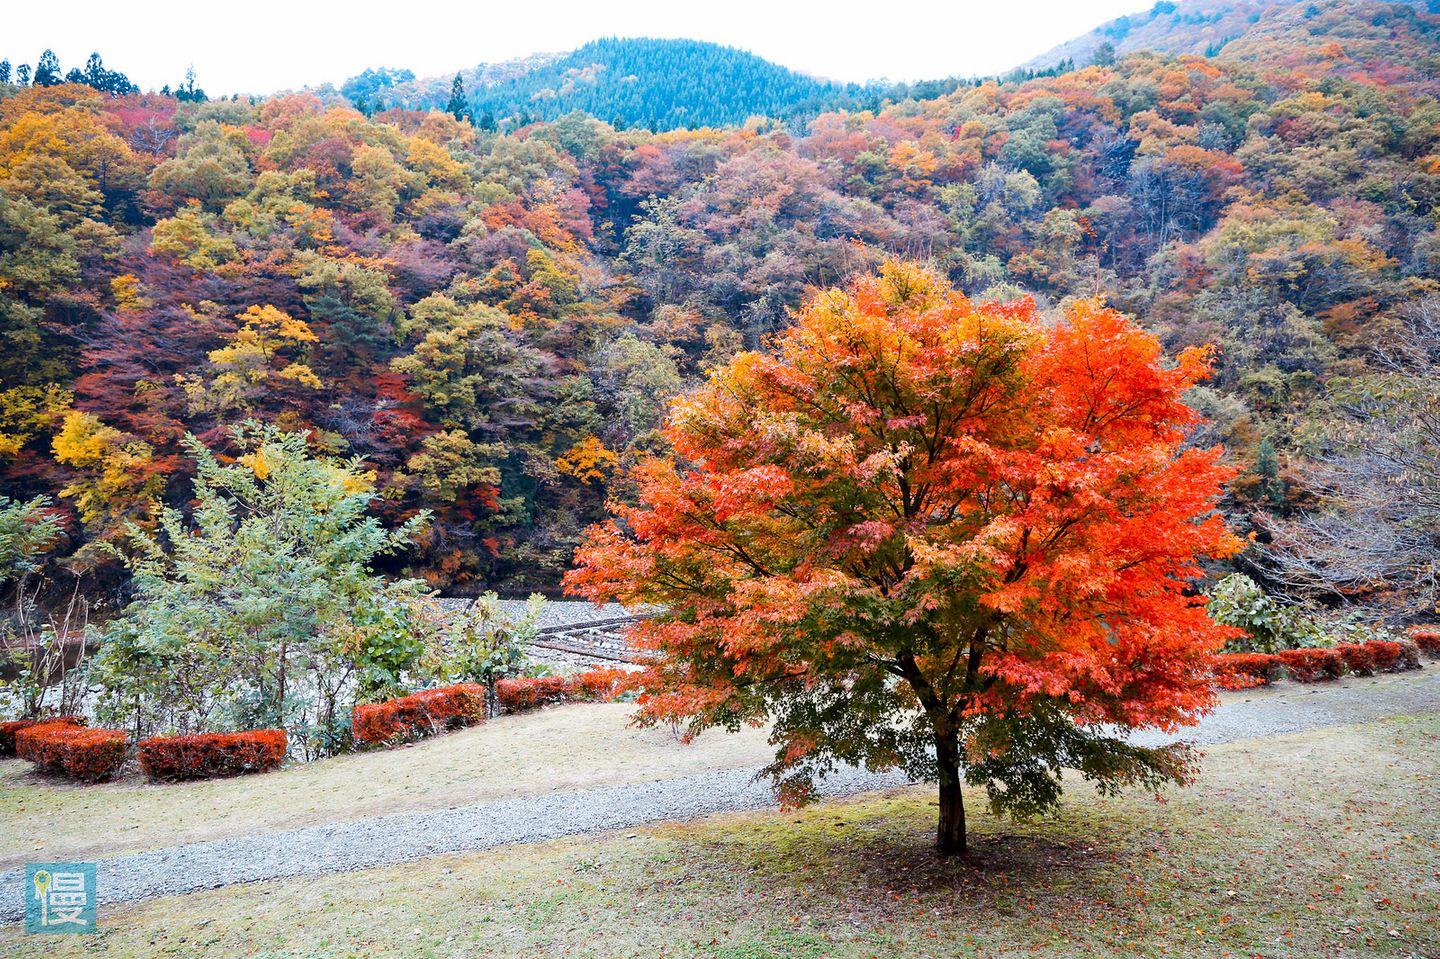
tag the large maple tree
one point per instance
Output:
(931, 534)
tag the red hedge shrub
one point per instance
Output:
(599, 685)
(8, 730)
(595, 685)
(1427, 638)
(87, 754)
(1244, 670)
(527, 693)
(1311, 665)
(419, 714)
(212, 754)
(1361, 659)
(1386, 654)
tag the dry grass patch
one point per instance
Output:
(1318, 844)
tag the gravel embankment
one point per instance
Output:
(385, 840)
(555, 614)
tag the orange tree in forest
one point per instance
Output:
(931, 535)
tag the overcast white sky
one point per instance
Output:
(260, 46)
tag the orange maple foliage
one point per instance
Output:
(934, 535)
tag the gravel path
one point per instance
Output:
(1293, 708)
(385, 840)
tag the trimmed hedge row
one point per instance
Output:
(209, 755)
(64, 744)
(419, 714)
(8, 730)
(86, 754)
(596, 685)
(1245, 670)
(529, 692)
(433, 711)
(1428, 639)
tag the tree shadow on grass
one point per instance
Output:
(865, 868)
(907, 864)
(52, 779)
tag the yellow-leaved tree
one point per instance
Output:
(257, 359)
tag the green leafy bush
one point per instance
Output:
(1356, 632)
(46, 663)
(27, 531)
(484, 646)
(261, 609)
(1269, 625)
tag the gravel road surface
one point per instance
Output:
(385, 840)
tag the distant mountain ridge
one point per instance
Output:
(659, 84)
(666, 84)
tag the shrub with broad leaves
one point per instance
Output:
(482, 644)
(1269, 625)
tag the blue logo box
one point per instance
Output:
(60, 897)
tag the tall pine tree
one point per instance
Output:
(459, 106)
(47, 70)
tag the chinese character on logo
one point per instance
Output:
(60, 897)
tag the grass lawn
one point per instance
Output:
(574, 747)
(1322, 844)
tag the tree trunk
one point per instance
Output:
(950, 834)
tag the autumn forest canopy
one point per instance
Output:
(485, 292)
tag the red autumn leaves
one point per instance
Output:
(995, 509)
(923, 449)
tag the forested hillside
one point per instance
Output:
(655, 84)
(494, 321)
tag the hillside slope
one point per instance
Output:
(1207, 27)
(495, 320)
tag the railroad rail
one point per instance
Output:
(601, 640)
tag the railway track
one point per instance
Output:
(570, 633)
(603, 641)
